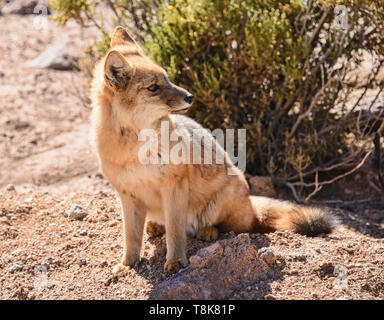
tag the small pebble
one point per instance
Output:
(18, 266)
(17, 251)
(267, 255)
(45, 265)
(77, 212)
(4, 220)
(10, 187)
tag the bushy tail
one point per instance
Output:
(276, 215)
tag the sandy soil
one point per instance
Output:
(45, 155)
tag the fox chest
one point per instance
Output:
(142, 182)
(120, 163)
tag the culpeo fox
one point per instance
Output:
(131, 93)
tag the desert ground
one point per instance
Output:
(47, 167)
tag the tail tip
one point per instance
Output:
(316, 221)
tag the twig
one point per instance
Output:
(319, 26)
(23, 156)
(336, 178)
(317, 188)
(294, 193)
(348, 202)
(309, 110)
(112, 6)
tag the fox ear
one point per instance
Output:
(121, 36)
(118, 72)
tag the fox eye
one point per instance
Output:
(153, 87)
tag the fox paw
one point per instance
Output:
(154, 229)
(118, 268)
(173, 266)
(208, 234)
(126, 262)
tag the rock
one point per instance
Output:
(99, 175)
(77, 212)
(10, 187)
(267, 255)
(24, 7)
(326, 269)
(4, 220)
(45, 265)
(55, 57)
(113, 223)
(262, 186)
(83, 232)
(360, 77)
(28, 200)
(82, 262)
(18, 266)
(213, 274)
(16, 252)
(103, 264)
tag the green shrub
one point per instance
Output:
(276, 68)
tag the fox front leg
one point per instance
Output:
(133, 226)
(175, 205)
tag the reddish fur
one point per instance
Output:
(181, 197)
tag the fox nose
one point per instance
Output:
(189, 98)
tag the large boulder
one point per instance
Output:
(55, 57)
(24, 7)
(218, 271)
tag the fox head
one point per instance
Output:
(137, 82)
